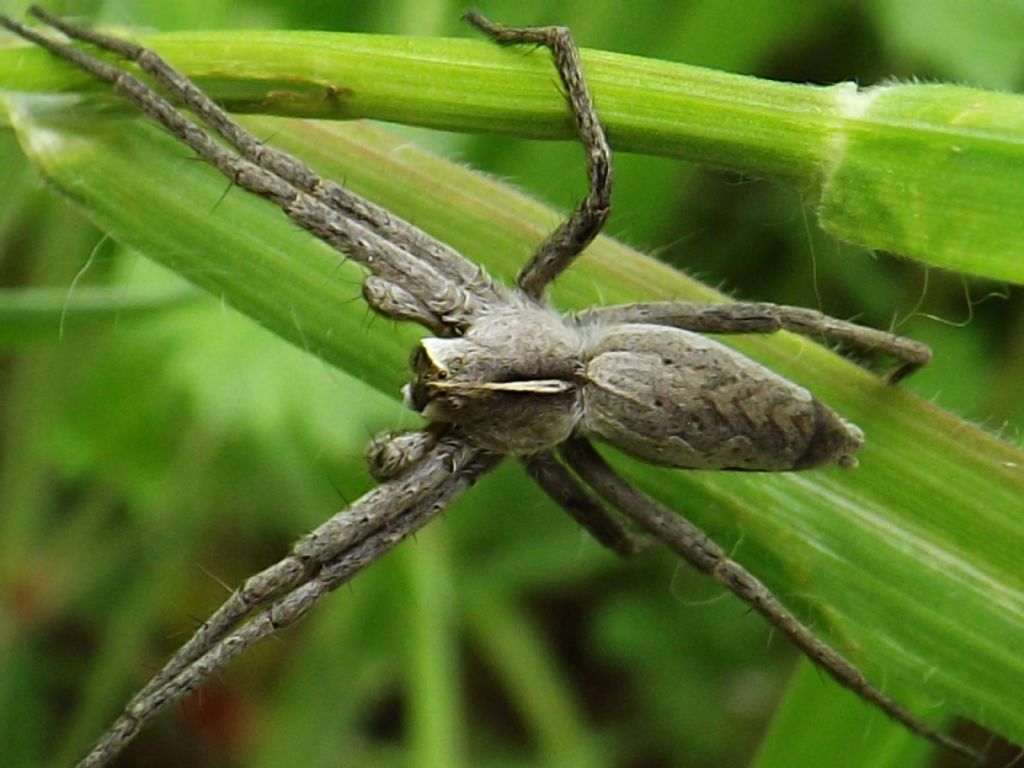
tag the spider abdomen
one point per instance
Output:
(679, 399)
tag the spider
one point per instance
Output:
(506, 375)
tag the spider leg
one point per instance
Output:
(374, 510)
(762, 317)
(581, 505)
(289, 168)
(694, 546)
(563, 245)
(320, 562)
(432, 289)
(446, 315)
(393, 301)
(392, 453)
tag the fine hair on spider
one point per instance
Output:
(506, 375)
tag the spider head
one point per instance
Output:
(500, 395)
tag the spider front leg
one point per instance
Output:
(563, 245)
(353, 226)
(763, 317)
(287, 167)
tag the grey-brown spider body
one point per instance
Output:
(523, 380)
(504, 374)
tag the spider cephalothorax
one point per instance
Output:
(512, 383)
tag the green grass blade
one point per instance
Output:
(435, 732)
(885, 167)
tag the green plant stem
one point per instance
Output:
(935, 172)
(436, 737)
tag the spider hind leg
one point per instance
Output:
(763, 317)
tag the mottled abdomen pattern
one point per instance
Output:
(679, 399)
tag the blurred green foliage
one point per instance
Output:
(148, 458)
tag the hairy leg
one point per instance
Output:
(566, 243)
(762, 317)
(441, 295)
(291, 169)
(581, 505)
(694, 546)
(319, 562)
